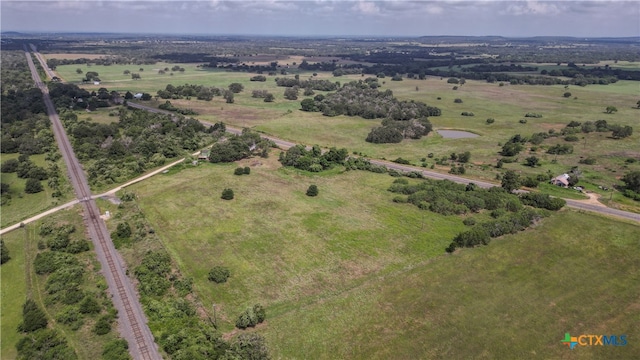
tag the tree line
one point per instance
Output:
(402, 119)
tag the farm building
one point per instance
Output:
(204, 155)
(561, 180)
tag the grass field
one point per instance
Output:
(282, 246)
(513, 299)
(350, 274)
(506, 104)
(13, 293)
(18, 279)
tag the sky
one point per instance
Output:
(516, 18)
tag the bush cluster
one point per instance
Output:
(153, 272)
(238, 147)
(219, 274)
(251, 317)
(312, 160)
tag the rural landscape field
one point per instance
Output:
(299, 196)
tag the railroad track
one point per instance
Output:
(133, 324)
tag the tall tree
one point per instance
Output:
(510, 181)
(4, 252)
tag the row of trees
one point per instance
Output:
(237, 147)
(320, 85)
(312, 159)
(139, 140)
(402, 119)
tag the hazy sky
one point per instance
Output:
(391, 18)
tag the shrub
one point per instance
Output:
(50, 261)
(567, 94)
(312, 190)
(542, 201)
(588, 161)
(402, 161)
(384, 135)
(457, 101)
(103, 325)
(219, 274)
(491, 120)
(530, 182)
(89, 305)
(532, 115)
(9, 166)
(236, 87)
(116, 349)
(471, 238)
(247, 170)
(560, 149)
(467, 113)
(400, 199)
(251, 317)
(522, 121)
(33, 186)
(227, 194)
(469, 221)
(33, 318)
(238, 171)
(571, 138)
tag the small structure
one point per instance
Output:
(96, 83)
(137, 96)
(561, 180)
(204, 155)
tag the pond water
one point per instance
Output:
(456, 134)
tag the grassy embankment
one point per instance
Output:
(350, 274)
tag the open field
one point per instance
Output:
(350, 274)
(506, 104)
(283, 247)
(512, 299)
(19, 279)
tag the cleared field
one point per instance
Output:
(350, 274)
(515, 298)
(284, 248)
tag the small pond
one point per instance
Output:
(456, 134)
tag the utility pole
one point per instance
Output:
(215, 319)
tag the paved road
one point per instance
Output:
(132, 321)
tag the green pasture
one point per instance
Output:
(284, 248)
(515, 298)
(13, 292)
(506, 104)
(350, 274)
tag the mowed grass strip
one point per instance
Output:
(282, 247)
(13, 293)
(513, 299)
